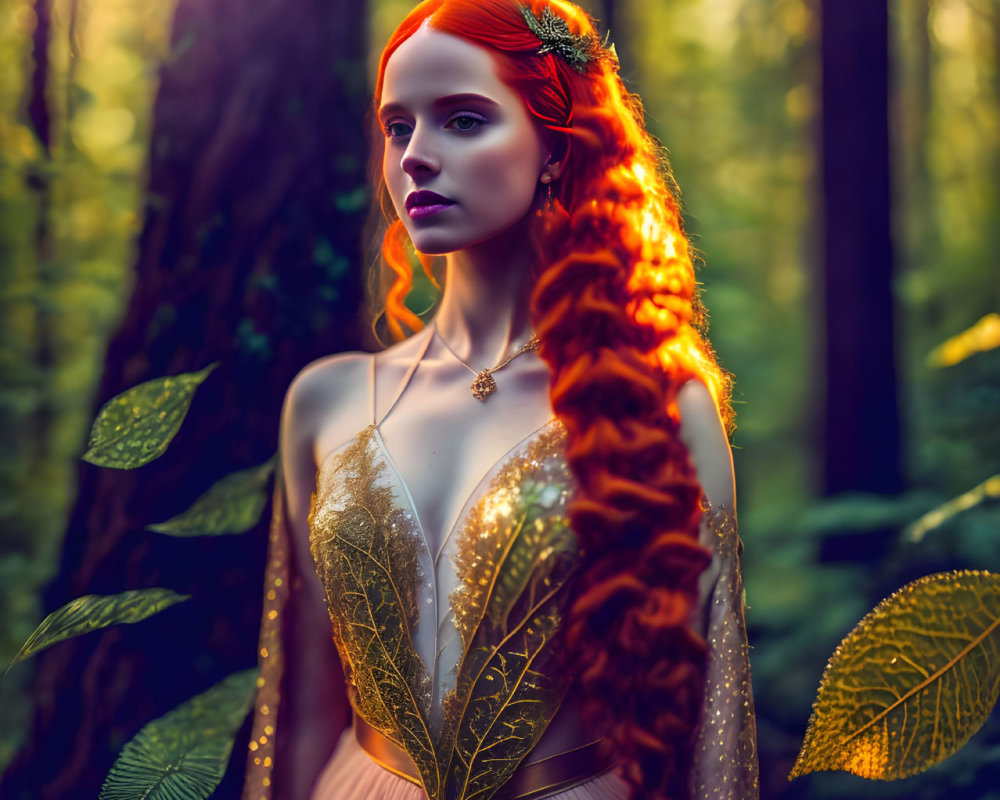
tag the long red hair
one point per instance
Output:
(615, 305)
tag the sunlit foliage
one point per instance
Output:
(728, 87)
(67, 221)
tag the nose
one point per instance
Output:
(420, 156)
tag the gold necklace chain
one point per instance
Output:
(484, 385)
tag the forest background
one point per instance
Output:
(183, 181)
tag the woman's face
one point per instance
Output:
(462, 156)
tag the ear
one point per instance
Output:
(557, 146)
(552, 171)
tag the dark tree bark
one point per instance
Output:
(612, 20)
(38, 182)
(37, 105)
(861, 447)
(250, 255)
(609, 18)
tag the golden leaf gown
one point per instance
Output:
(451, 657)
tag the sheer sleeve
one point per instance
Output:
(726, 751)
(270, 654)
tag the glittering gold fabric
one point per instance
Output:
(260, 759)
(468, 692)
(365, 547)
(514, 554)
(726, 766)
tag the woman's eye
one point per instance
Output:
(465, 122)
(396, 130)
(460, 122)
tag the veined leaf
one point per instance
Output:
(184, 753)
(135, 427)
(92, 612)
(911, 683)
(508, 608)
(367, 553)
(232, 505)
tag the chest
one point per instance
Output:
(474, 678)
(443, 443)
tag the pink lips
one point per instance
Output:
(425, 204)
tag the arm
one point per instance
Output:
(303, 697)
(318, 705)
(725, 757)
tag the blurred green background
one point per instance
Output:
(732, 87)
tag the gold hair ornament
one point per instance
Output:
(576, 49)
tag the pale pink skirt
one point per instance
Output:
(352, 775)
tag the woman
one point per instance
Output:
(513, 575)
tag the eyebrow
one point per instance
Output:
(441, 102)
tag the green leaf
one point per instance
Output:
(911, 683)
(135, 427)
(94, 611)
(232, 505)
(183, 754)
(988, 489)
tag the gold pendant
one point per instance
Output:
(484, 385)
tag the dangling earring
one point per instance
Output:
(547, 180)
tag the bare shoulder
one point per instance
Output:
(329, 390)
(330, 400)
(704, 435)
(328, 382)
(699, 415)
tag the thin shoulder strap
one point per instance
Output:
(371, 386)
(406, 378)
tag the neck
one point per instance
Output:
(484, 313)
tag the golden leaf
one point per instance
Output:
(366, 552)
(515, 556)
(983, 336)
(911, 683)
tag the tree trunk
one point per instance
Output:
(612, 15)
(38, 182)
(861, 444)
(250, 255)
(38, 106)
(608, 18)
